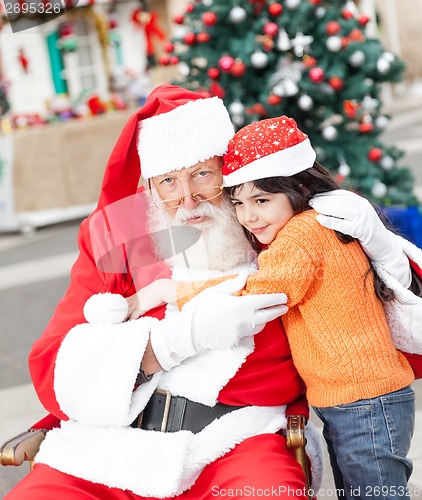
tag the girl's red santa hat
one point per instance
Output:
(176, 128)
(268, 148)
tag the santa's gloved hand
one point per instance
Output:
(352, 214)
(214, 319)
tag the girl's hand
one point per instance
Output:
(159, 292)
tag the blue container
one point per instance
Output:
(408, 222)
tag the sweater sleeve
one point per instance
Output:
(284, 267)
(187, 290)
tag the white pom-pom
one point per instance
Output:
(105, 308)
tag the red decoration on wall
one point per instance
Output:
(23, 60)
(149, 22)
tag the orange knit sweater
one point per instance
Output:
(336, 326)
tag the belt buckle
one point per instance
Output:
(166, 412)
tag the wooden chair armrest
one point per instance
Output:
(22, 447)
(295, 436)
(295, 432)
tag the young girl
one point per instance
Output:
(357, 382)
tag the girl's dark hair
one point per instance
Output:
(300, 188)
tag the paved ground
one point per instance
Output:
(34, 274)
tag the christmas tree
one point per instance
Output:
(308, 59)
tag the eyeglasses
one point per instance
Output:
(205, 195)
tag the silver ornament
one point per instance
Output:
(333, 43)
(236, 108)
(383, 65)
(305, 102)
(357, 58)
(237, 14)
(386, 162)
(379, 189)
(259, 59)
(329, 133)
(292, 4)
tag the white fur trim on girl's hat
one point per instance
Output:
(268, 148)
(190, 133)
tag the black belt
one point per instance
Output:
(168, 413)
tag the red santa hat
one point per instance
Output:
(176, 128)
(267, 148)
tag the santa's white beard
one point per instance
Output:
(221, 244)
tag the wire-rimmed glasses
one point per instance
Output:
(204, 195)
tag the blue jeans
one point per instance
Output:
(368, 441)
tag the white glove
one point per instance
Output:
(214, 319)
(352, 214)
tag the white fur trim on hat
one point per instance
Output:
(282, 163)
(191, 133)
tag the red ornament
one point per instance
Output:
(169, 47)
(275, 9)
(174, 60)
(350, 108)
(315, 2)
(375, 154)
(309, 61)
(257, 109)
(217, 90)
(356, 35)
(213, 73)
(274, 100)
(336, 83)
(178, 19)
(316, 74)
(364, 128)
(190, 8)
(258, 5)
(226, 63)
(363, 19)
(189, 38)
(164, 60)
(271, 29)
(344, 42)
(203, 37)
(332, 28)
(238, 69)
(209, 18)
(339, 178)
(347, 14)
